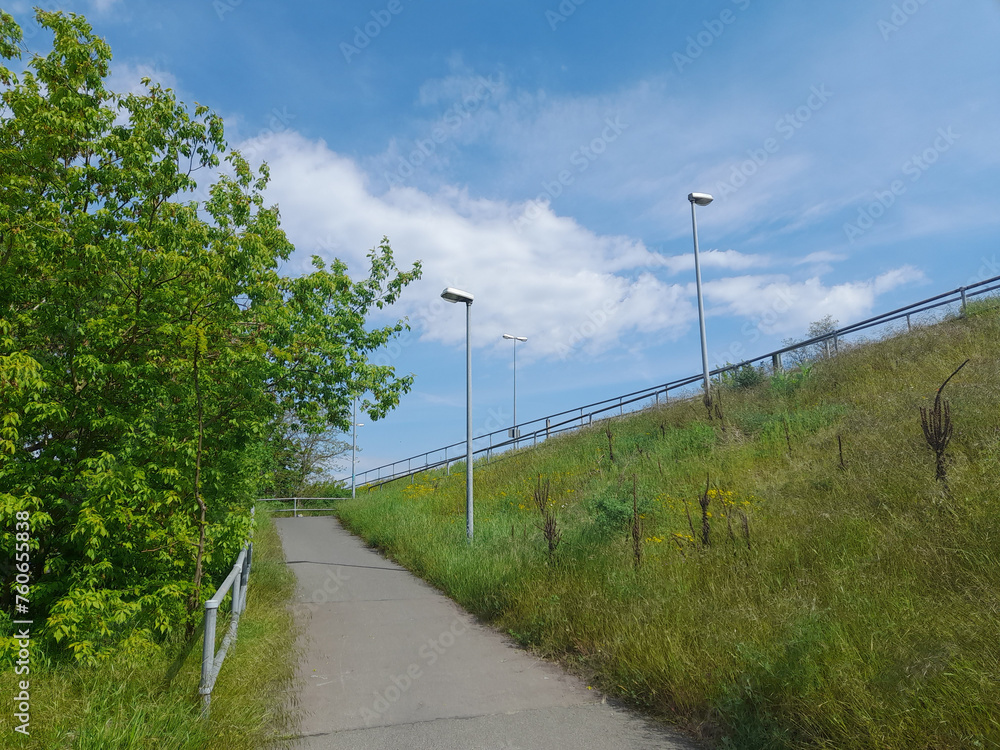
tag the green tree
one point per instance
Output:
(148, 343)
(806, 354)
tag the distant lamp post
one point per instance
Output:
(701, 199)
(354, 444)
(457, 295)
(514, 432)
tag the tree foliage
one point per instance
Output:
(149, 344)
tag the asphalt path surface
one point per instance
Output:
(389, 662)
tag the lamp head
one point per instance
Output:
(514, 338)
(700, 199)
(456, 295)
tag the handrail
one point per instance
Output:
(294, 510)
(588, 411)
(211, 661)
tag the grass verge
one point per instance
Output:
(787, 573)
(151, 700)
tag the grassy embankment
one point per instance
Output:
(151, 700)
(858, 605)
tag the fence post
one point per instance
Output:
(548, 428)
(208, 658)
(964, 300)
(295, 507)
(247, 562)
(776, 365)
(908, 326)
(836, 345)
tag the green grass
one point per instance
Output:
(151, 700)
(859, 606)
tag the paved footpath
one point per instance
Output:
(389, 662)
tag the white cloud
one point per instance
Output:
(573, 290)
(103, 6)
(126, 77)
(780, 306)
(729, 260)
(821, 257)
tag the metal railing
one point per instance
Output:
(294, 510)
(211, 661)
(541, 429)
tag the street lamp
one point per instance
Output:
(701, 199)
(354, 443)
(457, 295)
(515, 339)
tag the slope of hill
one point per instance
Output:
(795, 571)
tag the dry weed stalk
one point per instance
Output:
(746, 527)
(549, 527)
(611, 447)
(937, 426)
(705, 528)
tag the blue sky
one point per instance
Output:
(539, 155)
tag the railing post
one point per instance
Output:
(776, 363)
(548, 428)
(237, 587)
(295, 507)
(908, 326)
(964, 300)
(245, 575)
(208, 658)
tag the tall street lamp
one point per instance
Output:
(515, 339)
(457, 295)
(701, 199)
(354, 444)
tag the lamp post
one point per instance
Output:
(515, 339)
(457, 295)
(701, 199)
(354, 443)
